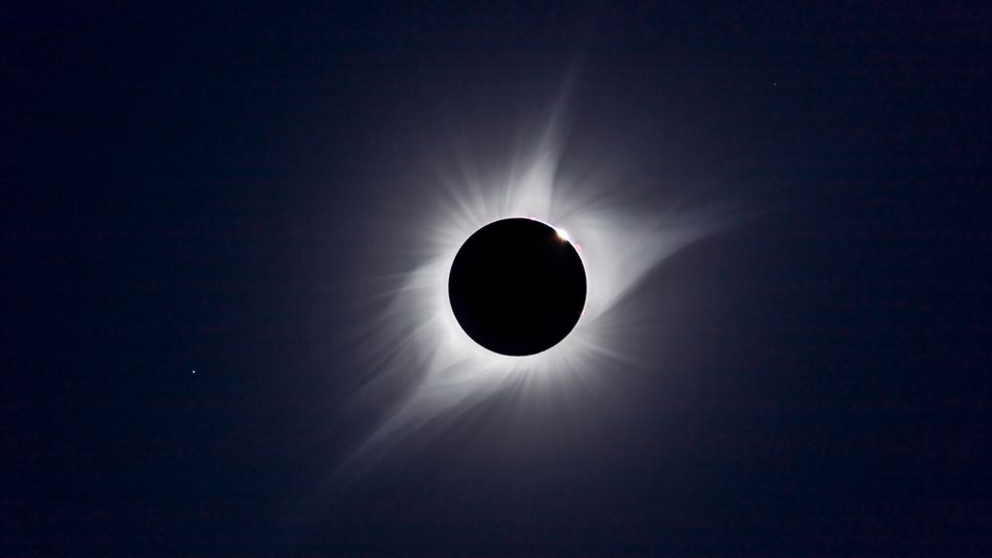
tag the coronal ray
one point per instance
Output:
(620, 236)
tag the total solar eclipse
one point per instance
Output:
(517, 286)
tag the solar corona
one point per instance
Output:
(514, 275)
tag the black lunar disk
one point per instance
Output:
(517, 287)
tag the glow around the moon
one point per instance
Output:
(416, 341)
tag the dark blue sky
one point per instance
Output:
(193, 189)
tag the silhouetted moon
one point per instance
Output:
(517, 286)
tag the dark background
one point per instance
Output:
(190, 188)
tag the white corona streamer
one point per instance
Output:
(619, 243)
